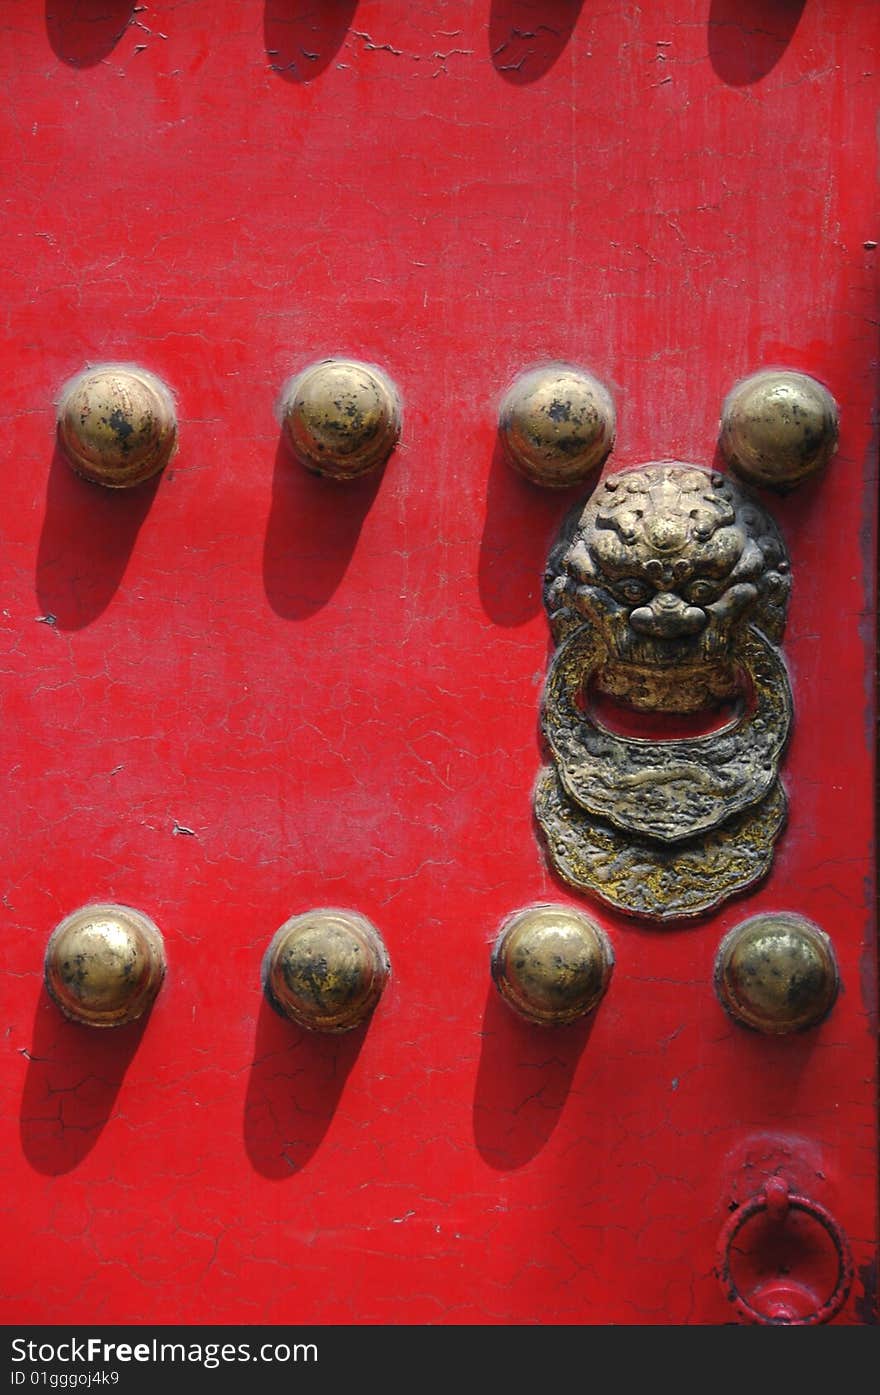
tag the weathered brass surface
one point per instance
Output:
(104, 965)
(326, 969)
(777, 973)
(117, 425)
(552, 964)
(660, 881)
(668, 590)
(557, 424)
(666, 564)
(341, 418)
(674, 789)
(778, 428)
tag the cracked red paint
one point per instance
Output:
(335, 689)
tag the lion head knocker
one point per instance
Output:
(668, 591)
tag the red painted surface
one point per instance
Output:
(790, 1236)
(245, 691)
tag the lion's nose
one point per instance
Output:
(668, 617)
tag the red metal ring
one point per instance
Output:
(755, 1206)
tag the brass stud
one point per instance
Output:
(341, 418)
(117, 425)
(326, 970)
(552, 964)
(104, 965)
(779, 428)
(557, 424)
(777, 973)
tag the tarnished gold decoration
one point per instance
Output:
(326, 969)
(660, 881)
(778, 428)
(104, 965)
(552, 964)
(777, 973)
(667, 591)
(341, 418)
(557, 424)
(678, 788)
(117, 425)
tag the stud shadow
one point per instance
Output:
(523, 1081)
(747, 38)
(526, 37)
(303, 37)
(522, 524)
(295, 1083)
(87, 537)
(84, 32)
(313, 528)
(73, 1077)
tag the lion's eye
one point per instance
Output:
(633, 590)
(702, 592)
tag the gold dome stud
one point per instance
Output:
(552, 964)
(341, 418)
(777, 973)
(117, 425)
(326, 969)
(778, 428)
(557, 424)
(104, 965)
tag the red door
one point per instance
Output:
(242, 690)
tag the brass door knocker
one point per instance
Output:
(667, 591)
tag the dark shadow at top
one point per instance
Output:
(296, 1080)
(313, 528)
(522, 523)
(747, 38)
(87, 537)
(73, 1078)
(83, 32)
(527, 36)
(304, 36)
(523, 1080)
